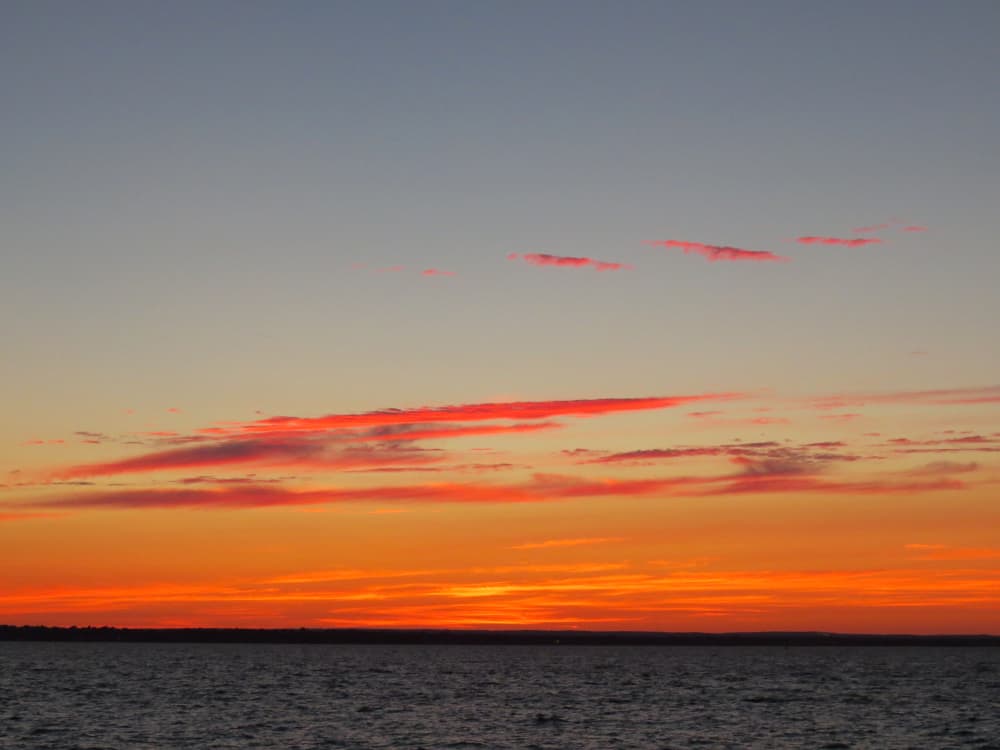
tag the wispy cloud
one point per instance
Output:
(714, 253)
(568, 261)
(436, 272)
(872, 228)
(939, 397)
(915, 228)
(755, 476)
(300, 453)
(504, 410)
(844, 241)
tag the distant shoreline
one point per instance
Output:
(363, 636)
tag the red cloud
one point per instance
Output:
(464, 413)
(436, 272)
(846, 242)
(715, 253)
(567, 261)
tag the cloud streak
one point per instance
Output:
(844, 241)
(505, 410)
(714, 253)
(770, 476)
(568, 261)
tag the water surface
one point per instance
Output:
(136, 695)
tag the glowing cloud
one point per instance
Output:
(517, 410)
(567, 261)
(714, 253)
(846, 242)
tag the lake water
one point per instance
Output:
(130, 695)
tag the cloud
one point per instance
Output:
(397, 433)
(967, 443)
(548, 543)
(939, 397)
(915, 228)
(436, 272)
(568, 261)
(714, 253)
(938, 468)
(769, 476)
(300, 453)
(814, 456)
(872, 228)
(846, 242)
(505, 410)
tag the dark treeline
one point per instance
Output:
(475, 637)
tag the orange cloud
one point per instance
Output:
(568, 261)
(714, 253)
(846, 242)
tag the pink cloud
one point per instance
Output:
(914, 228)
(714, 253)
(568, 261)
(846, 242)
(436, 272)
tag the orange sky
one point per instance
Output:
(401, 518)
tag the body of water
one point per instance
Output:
(162, 696)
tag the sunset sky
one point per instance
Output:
(615, 316)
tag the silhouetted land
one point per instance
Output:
(477, 637)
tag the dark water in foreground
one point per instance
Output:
(124, 695)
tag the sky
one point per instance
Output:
(635, 316)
